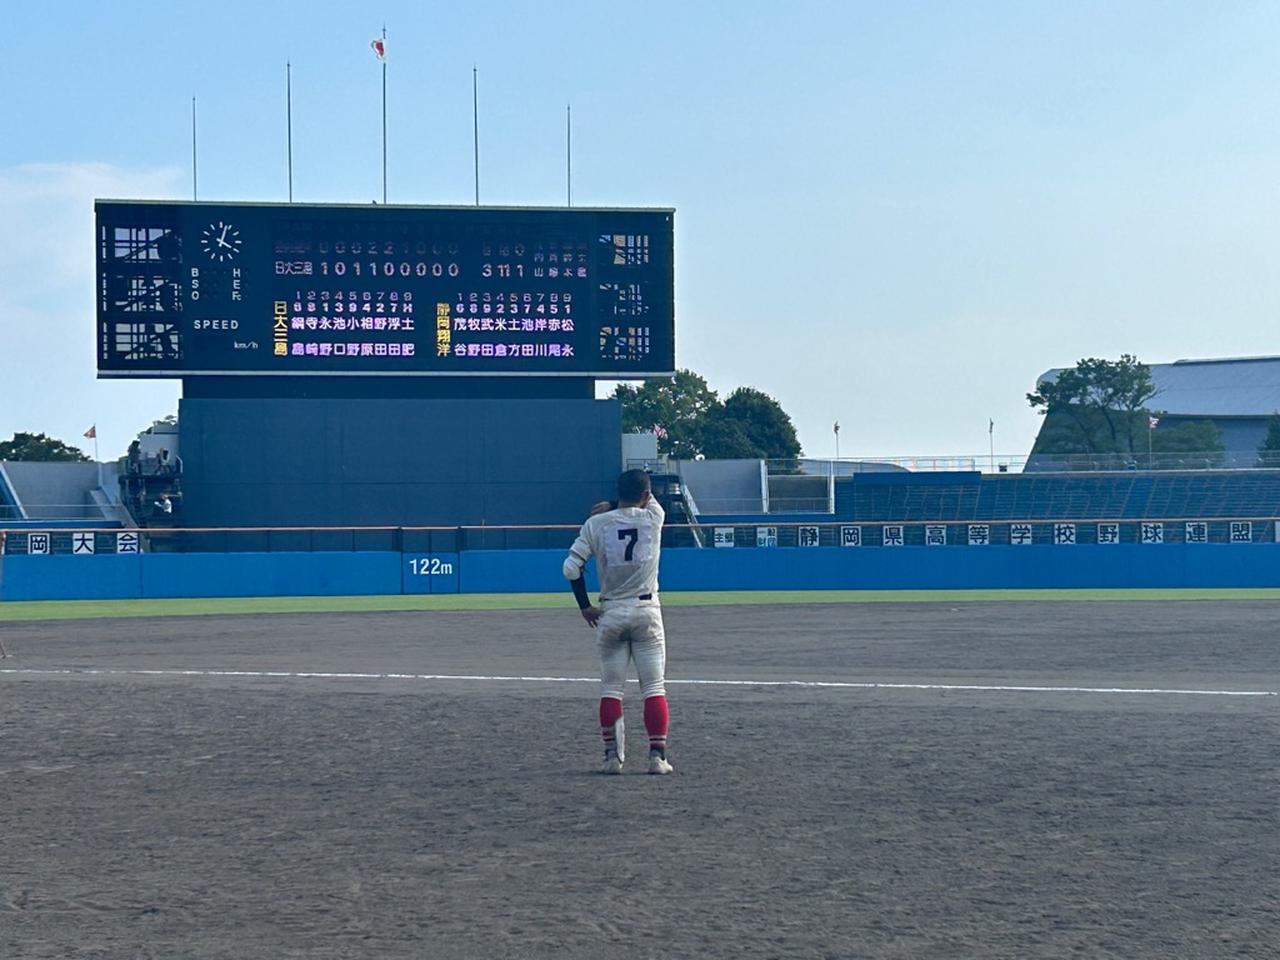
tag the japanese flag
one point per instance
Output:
(91, 433)
(1153, 422)
(379, 47)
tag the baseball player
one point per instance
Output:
(625, 537)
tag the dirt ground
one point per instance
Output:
(174, 815)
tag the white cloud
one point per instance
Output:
(47, 358)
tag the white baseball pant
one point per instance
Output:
(632, 630)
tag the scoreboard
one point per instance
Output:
(190, 289)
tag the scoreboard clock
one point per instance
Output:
(221, 241)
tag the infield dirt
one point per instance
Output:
(172, 815)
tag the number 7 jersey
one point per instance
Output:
(626, 544)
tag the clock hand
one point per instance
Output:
(223, 243)
(225, 228)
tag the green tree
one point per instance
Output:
(1191, 443)
(752, 424)
(1269, 450)
(749, 423)
(678, 405)
(37, 446)
(1097, 406)
(168, 420)
(725, 438)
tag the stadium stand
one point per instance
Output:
(1106, 496)
(60, 491)
(9, 508)
(675, 500)
(724, 486)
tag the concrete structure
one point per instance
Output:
(60, 491)
(640, 451)
(724, 486)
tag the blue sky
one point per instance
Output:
(894, 215)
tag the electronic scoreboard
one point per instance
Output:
(190, 289)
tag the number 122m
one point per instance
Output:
(430, 567)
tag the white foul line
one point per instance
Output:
(820, 684)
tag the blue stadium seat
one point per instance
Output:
(1122, 496)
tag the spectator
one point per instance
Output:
(164, 504)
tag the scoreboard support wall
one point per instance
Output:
(395, 461)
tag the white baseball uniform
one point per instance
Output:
(626, 543)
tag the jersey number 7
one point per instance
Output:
(631, 534)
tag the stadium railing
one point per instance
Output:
(51, 511)
(1037, 463)
(847, 466)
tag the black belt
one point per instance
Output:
(643, 596)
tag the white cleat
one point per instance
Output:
(612, 764)
(659, 764)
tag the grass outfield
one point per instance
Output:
(222, 606)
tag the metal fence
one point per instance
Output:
(999, 463)
(847, 466)
(53, 511)
(1038, 463)
(1154, 461)
(722, 506)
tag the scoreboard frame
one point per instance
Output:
(214, 242)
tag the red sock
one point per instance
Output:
(656, 719)
(610, 713)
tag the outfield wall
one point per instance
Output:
(1036, 566)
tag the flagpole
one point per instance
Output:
(92, 434)
(475, 125)
(991, 444)
(288, 96)
(195, 194)
(568, 155)
(384, 119)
